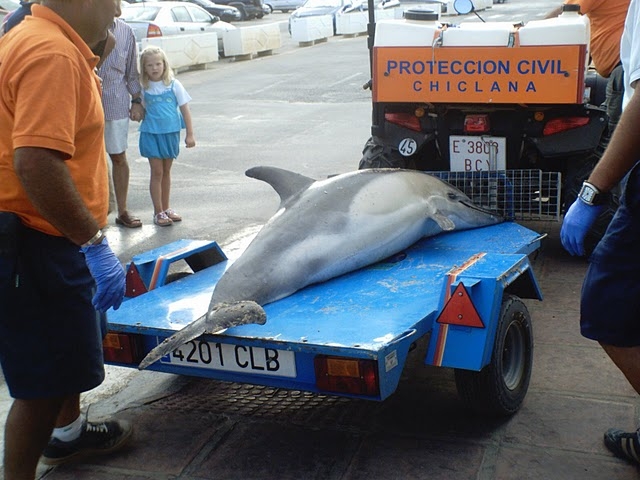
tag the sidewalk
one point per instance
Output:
(204, 429)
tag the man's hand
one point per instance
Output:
(577, 222)
(108, 274)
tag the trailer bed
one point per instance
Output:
(372, 313)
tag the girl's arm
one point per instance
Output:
(190, 140)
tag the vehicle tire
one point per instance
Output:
(376, 155)
(285, 10)
(578, 170)
(243, 12)
(270, 8)
(500, 387)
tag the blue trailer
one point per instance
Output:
(459, 292)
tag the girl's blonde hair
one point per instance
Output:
(167, 75)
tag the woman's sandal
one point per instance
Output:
(161, 219)
(128, 221)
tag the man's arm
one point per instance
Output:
(48, 184)
(623, 150)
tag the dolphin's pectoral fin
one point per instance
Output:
(227, 315)
(188, 333)
(444, 222)
(286, 183)
(220, 317)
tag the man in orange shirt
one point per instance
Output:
(57, 273)
(606, 19)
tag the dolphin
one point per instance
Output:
(324, 229)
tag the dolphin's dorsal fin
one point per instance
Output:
(286, 183)
(444, 222)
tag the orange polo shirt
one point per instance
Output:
(50, 98)
(606, 18)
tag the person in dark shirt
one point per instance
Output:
(14, 18)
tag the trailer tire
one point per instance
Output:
(500, 387)
(577, 172)
(376, 155)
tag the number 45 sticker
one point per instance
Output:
(407, 147)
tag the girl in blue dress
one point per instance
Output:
(167, 111)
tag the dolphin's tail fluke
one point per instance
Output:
(220, 317)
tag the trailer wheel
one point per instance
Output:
(500, 387)
(376, 155)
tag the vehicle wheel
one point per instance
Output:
(270, 8)
(578, 170)
(376, 155)
(285, 11)
(243, 13)
(500, 387)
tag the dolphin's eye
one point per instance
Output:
(452, 195)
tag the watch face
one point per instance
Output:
(587, 194)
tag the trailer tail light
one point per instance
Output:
(153, 31)
(558, 125)
(406, 120)
(122, 348)
(347, 375)
(476, 124)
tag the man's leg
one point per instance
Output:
(120, 180)
(627, 359)
(120, 174)
(27, 431)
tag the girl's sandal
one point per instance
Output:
(162, 220)
(173, 215)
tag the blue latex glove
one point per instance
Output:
(108, 273)
(577, 222)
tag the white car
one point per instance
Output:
(160, 19)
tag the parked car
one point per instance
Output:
(314, 8)
(227, 13)
(166, 18)
(248, 8)
(283, 5)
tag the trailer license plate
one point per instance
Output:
(234, 358)
(474, 153)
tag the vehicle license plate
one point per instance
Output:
(474, 153)
(234, 358)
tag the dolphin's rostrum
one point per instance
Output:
(324, 229)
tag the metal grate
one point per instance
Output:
(514, 194)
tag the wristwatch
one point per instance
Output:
(136, 100)
(590, 194)
(96, 239)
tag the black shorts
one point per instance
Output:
(610, 301)
(50, 334)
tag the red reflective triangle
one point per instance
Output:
(460, 310)
(135, 285)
